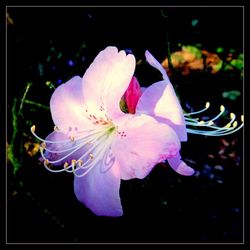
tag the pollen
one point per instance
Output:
(242, 118)
(73, 162)
(235, 124)
(80, 162)
(232, 116)
(33, 129)
(222, 108)
(56, 128)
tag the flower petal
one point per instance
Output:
(66, 105)
(107, 79)
(144, 143)
(99, 190)
(160, 100)
(180, 166)
(154, 63)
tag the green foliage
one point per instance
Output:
(220, 50)
(238, 62)
(232, 95)
(194, 22)
(193, 50)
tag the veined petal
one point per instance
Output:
(141, 143)
(99, 190)
(160, 100)
(66, 105)
(180, 166)
(107, 79)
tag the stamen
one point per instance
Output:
(33, 129)
(56, 128)
(200, 111)
(99, 144)
(214, 130)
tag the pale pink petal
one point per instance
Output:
(107, 79)
(66, 105)
(180, 166)
(132, 95)
(99, 190)
(160, 100)
(154, 63)
(144, 143)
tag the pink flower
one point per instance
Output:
(99, 143)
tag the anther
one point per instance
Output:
(72, 138)
(232, 116)
(210, 123)
(46, 162)
(91, 156)
(222, 108)
(235, 124)
(66, 165)
(56, 128)
(43, 145)
(242, 118)
(73, 162)
(207, 105)
(33, 128)
(80, 162)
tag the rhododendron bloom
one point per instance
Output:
(99, 143)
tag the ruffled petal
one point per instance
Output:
(99, 190)
(160, 100)
(106, 80)
(180, 166)
(66, 105)
(141, 143)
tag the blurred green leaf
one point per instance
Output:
(193, 50)
(232, 95)
(194, 22)
(219, 50)
(237, 63)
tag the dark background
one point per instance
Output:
(164, 207)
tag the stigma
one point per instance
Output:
(209, 127)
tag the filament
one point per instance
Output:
(98, 140)
(209, 128)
